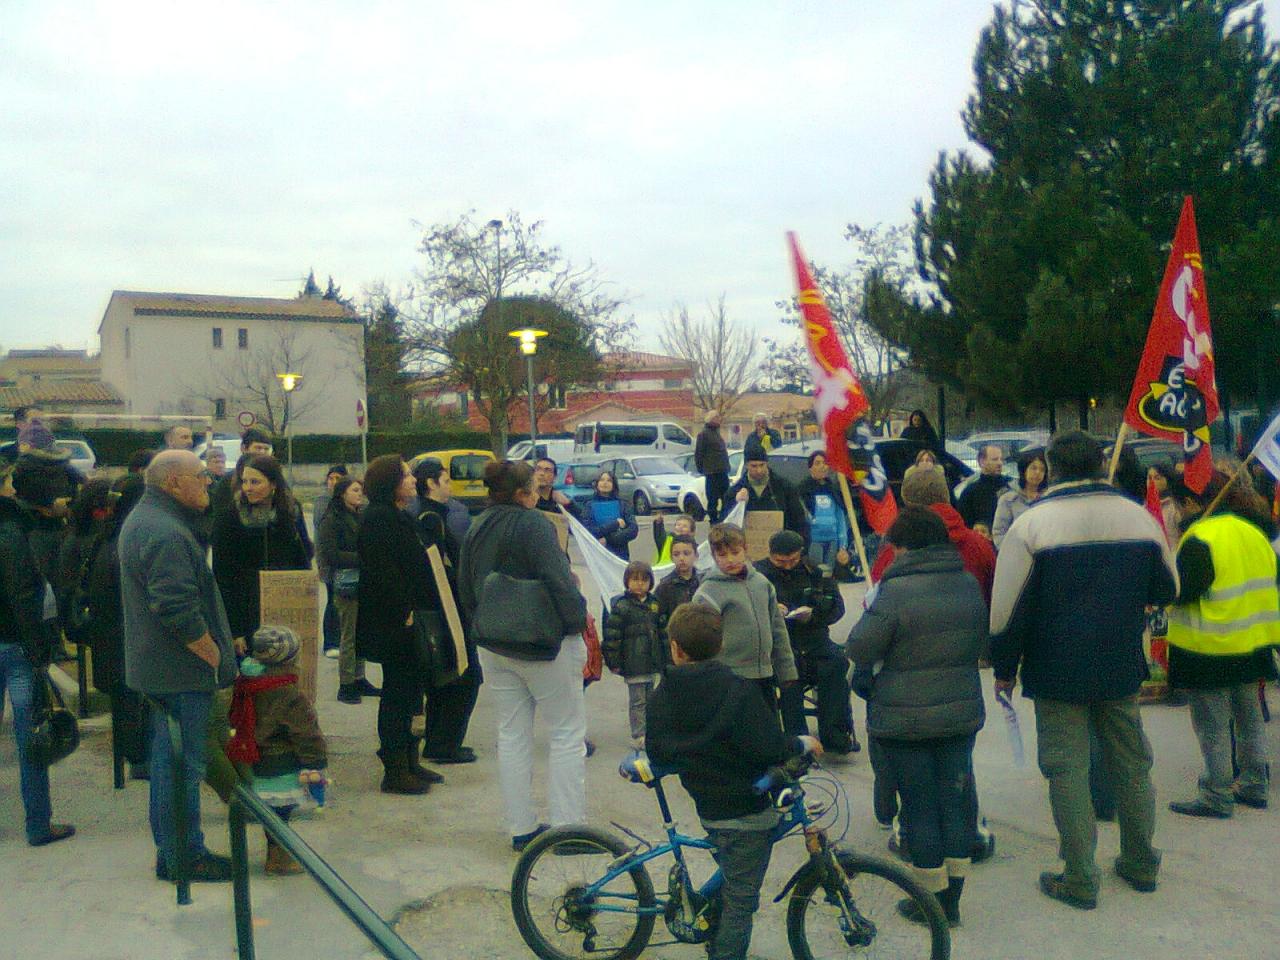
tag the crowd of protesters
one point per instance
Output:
(1050, 580)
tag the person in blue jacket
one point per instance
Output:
(828, 525)
(609, 518)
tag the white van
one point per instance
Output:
(623, 439)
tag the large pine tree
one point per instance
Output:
(1094, 118)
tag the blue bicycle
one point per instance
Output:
(582, 892)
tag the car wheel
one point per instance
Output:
(641, 505)
(693, 508)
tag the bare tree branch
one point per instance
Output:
(723, 354)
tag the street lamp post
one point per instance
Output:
(288, 383)
(529, 346)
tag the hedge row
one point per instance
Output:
(114, 446)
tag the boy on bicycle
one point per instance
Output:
(717, 729)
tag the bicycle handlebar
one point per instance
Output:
(788, 772)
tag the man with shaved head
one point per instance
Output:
(177, 643)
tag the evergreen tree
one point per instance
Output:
(1096, 117)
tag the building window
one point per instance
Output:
(220, 408)
(242, 338)
(127, 343)
(672, 384)
(557, 396)
(217, 338)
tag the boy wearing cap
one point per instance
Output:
(276, 731)
(756, 646)
(810, 603)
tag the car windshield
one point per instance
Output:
(655, 466)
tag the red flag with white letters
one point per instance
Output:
(1174, 395)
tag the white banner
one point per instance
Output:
(606, 569)
(1267, 450)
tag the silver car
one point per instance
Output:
(647, 482)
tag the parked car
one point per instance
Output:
(691, 498)
(466, 472)
(557, 448)
(576, 478)
(631, 438)
(685, 460)
(1150, 451)
(82, 456)
(1011, 442)
(646, 482)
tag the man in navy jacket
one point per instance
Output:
(1073, 579)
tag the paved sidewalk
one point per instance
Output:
(446, 857)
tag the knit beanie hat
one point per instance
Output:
(35, 435)
(274, 645)
(924, 485)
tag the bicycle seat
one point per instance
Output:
(638, 768)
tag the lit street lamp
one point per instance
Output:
(529, 346)
(288, 383)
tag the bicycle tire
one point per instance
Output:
(541, 851)
(935, 938)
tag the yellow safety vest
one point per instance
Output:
(1241, 611)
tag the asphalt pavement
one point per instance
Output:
(440, 865)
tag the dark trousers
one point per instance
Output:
(824, 670)
(1101, 789)
(130, 726)
(717, 486)
(449, 711)
(330, 625)
(401, 697)
(743, 858)
(933, 779)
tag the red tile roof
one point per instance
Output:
(59, 391)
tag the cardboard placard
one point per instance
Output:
(760, 525)
(449, 607)
(562, 528)
(290, 598)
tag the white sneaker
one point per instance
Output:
(331, 654)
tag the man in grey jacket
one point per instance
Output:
(177, 643)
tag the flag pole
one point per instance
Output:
(1115, 451)
(1227, 486)
(853, 525)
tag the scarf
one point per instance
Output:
(255, 516)
(243, 745)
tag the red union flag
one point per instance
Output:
(838, 400)
(1174, 395)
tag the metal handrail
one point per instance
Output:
(245, 801)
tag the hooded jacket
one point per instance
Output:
(975, 551)
(927, 627)
(715, 728)
(756, 644)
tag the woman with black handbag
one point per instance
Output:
(337, 548)
(396, 586)
(449, 705)
(527, 616)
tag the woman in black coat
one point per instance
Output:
(105, 634)
(448, 707)
(919, 429)
(337, 545)
(395, 580)
(257, 531)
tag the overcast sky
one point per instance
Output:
(146, 146)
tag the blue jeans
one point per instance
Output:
(17, 674)
(192, 713)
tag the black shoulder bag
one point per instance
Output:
(56, 733)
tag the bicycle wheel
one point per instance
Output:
(817, 928)
(556, 922)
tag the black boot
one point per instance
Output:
(399, 777)
(950, 900)
(418, 770)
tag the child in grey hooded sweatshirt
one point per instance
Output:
(756, 646)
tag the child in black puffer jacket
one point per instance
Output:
(633, 643)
